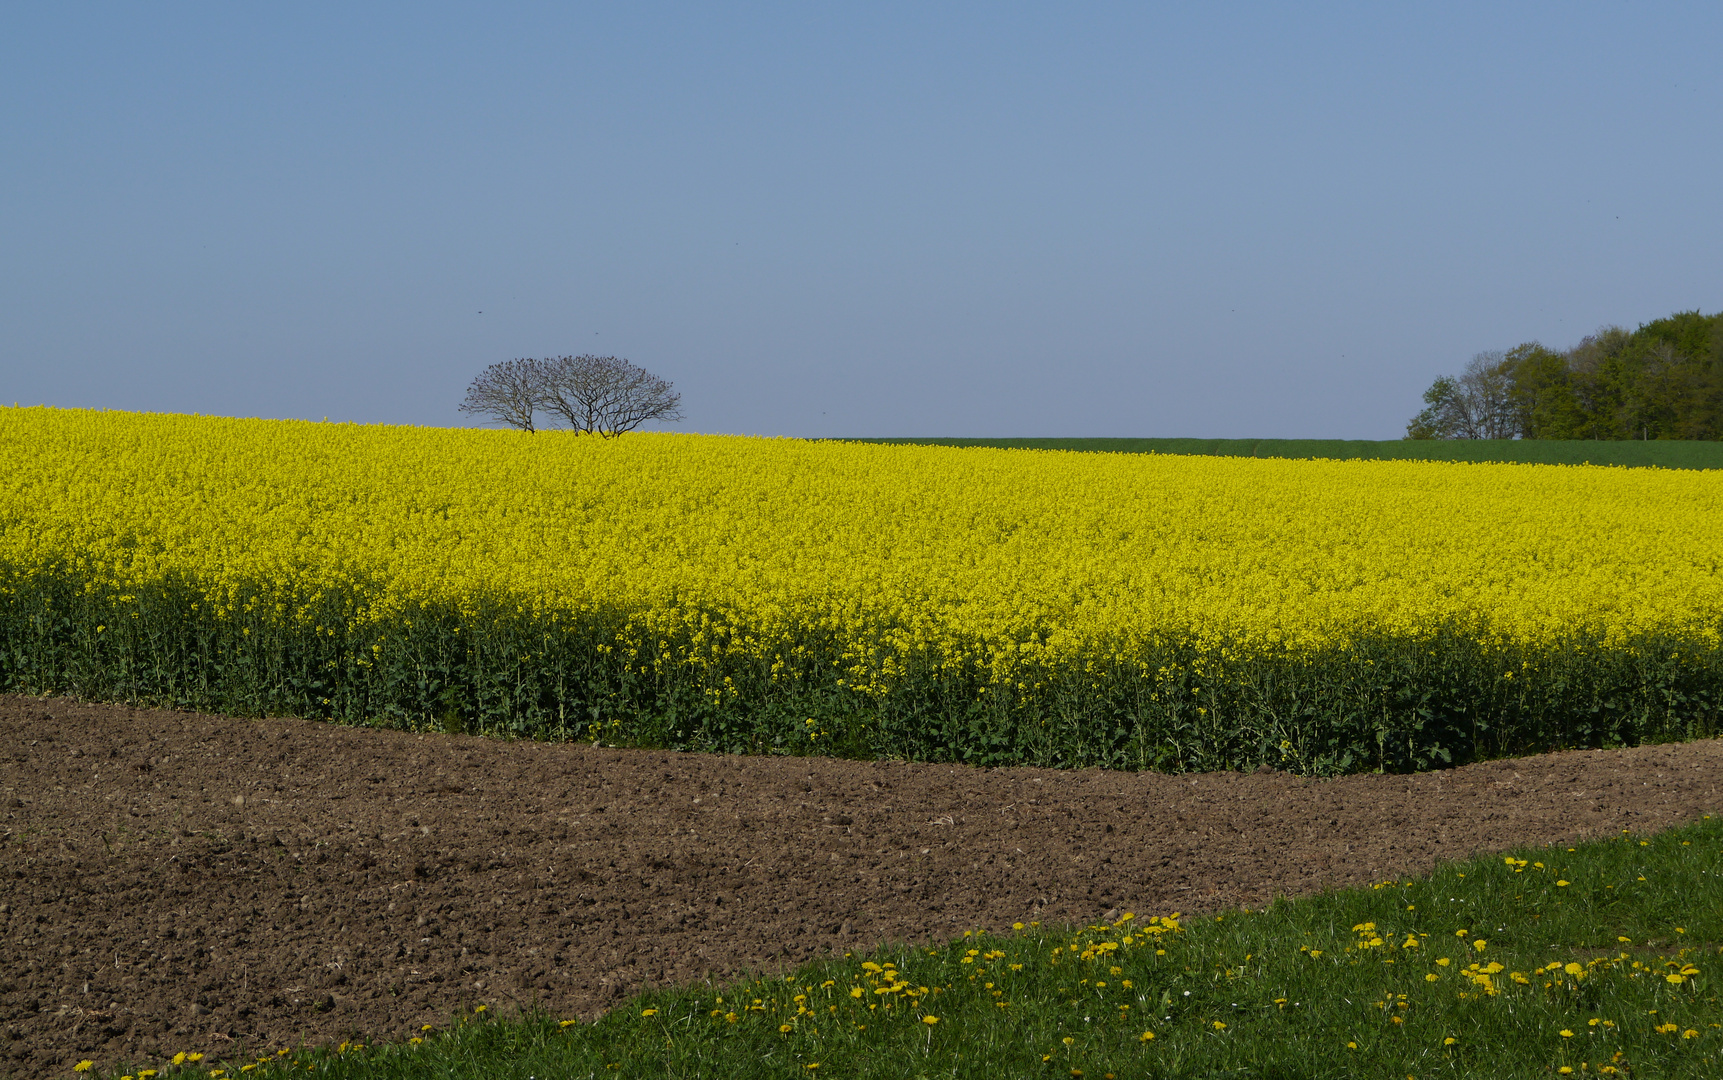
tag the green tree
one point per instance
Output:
(1546, 404)
(1436, 421)
(1661, 381)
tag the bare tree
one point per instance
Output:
(1477, 405)
(1486, 386)
(509, 392)
(605, 395)
(593, 394)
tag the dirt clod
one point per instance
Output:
(301, 882)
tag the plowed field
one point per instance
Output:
(174, 881)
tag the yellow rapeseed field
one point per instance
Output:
(993, 564)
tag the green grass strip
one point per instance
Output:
(1596, 959)
(1664, 453)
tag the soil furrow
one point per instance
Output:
(175, 881)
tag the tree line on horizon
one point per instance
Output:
(1661, 381)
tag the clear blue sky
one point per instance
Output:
(1222, 220)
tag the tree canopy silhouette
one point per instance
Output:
(600, 395)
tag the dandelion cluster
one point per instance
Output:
(868, 1000)
(1490, 968)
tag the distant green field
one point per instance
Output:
(1667, 454)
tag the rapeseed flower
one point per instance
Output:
(1006, 570)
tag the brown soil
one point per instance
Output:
(172, 881)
